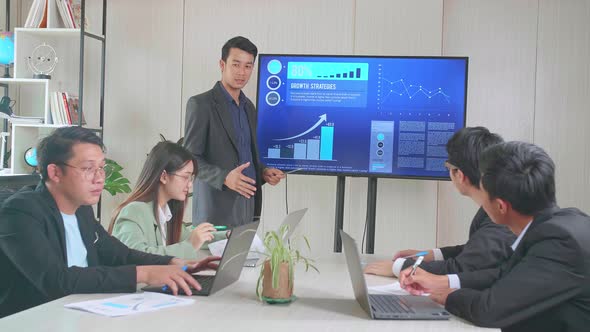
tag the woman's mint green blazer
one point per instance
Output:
(137, 228)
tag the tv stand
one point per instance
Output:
(371, 213)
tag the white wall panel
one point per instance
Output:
(563, 89)
(499, 37)
(143, 82)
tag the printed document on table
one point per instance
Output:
(394, 289)
(130, 304)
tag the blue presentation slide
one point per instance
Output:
(367, 116)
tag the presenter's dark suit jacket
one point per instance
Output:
(488, 246)
(33, 259)
(544, 286)
(210, 136)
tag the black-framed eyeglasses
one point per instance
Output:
(187, 178)
(450, 166)
(90, 173)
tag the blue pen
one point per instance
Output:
(165, 288)
(418, 254)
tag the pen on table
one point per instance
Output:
(415, 266)
(165, 288)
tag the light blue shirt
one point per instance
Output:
(75, 248)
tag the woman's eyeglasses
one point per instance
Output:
(187, 178)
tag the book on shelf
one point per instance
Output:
(74, 110)
(37, 17)
(71, 12)
(64, 109)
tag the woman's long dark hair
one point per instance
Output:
(165, 156)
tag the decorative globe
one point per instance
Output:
(31, 157)
(6, 48)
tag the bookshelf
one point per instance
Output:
(72, 75)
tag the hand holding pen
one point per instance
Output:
(165, 288)
(201, 234)
(416, 264)
(417, 281)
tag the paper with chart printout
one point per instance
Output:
(257, 246)
(393, 288)
(130, 304)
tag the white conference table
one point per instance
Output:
(325, 302)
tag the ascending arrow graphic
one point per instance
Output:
(323, 118)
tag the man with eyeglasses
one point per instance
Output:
(488, 244)
(51, 245)
(543, 286)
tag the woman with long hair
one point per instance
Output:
(150, 219)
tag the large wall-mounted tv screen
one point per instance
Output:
(359, 115)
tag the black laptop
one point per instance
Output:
(387, 306)
(230, 266)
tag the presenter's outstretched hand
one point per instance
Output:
(273, 175)
(422, 282)
(240, 183)
(380, 268)
(170, 275)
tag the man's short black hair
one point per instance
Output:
(240, 42)
(57, 147)
(465, 147)
(521, 174)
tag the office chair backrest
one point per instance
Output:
(12, 183)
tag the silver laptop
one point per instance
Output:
(230, 266)
(387, 306)
(292, 220)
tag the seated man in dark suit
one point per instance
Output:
(544, 286)
(50, 244)
(488, 244)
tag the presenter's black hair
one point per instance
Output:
(240, 42)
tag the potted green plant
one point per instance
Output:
(114, 181)
(275, 283)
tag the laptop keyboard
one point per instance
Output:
(205, 282)
(389, 304)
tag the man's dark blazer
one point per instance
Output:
(544, 286)
(210, 136)
(33, 257)
(488, 246)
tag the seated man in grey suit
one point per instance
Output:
(544, 285)
(220, 132)
(488, 244)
